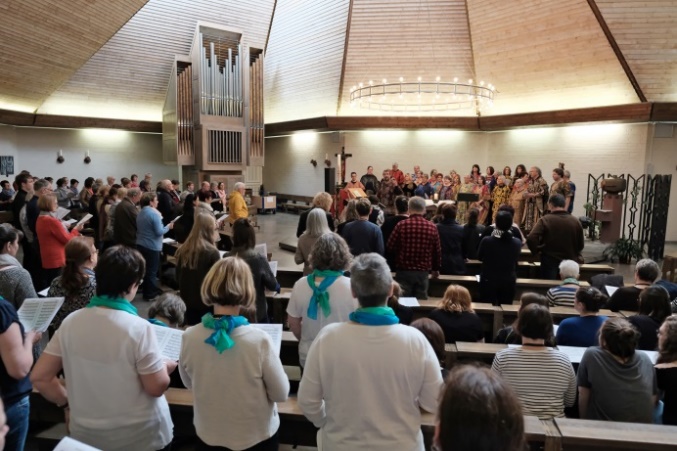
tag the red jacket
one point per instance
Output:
(53, 237)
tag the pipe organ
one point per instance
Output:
(213, 123)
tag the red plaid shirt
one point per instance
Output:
(415, 243)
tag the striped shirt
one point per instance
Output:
(543, 379)
(562, 296)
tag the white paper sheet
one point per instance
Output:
(610, 290)
(69, 444)
(37, 313)
(262, 249)
(169, 340)
(221, 219)
(62, 212)
(176, 219)
(554, 329)
(169, 241)
(409, 302)
(69, 221)
(222, 253)
(477, 277)
(43, 293)
(86, 218)
(273, 267)
(275, 332)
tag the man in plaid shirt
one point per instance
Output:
(415, 244)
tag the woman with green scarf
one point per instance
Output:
(323, 297)
(115, 373)
(233, 369)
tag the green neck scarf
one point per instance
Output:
(570, 280)
(320, 296)
(222, 327)
(374, 316)
(113, 303)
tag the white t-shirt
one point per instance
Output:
(234, 392)
(364, 386)
(341, 301)
(103, 352)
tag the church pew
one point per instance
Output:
(509, 313)
(582, 435)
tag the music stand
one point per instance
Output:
(467, 197)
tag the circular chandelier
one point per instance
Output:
(422, 96)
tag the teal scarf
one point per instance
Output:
(113, 303)
(320, 295)
(223, 326)
(375, 316)
(157, 322)
(570, 280)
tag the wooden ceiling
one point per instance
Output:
(104, 59)
(43, 42)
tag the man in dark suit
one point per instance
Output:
(124, 227)
(165, 203)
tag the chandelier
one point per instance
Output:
(422, 96)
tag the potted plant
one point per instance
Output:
(624, 250)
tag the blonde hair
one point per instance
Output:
(323, 200)
(229, 282)
(121, 193)
(456, 299)
(46, 201)
(200, 240)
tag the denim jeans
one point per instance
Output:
(150, 287)
(17, 420)
(413, 283)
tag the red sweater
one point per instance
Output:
(53, 237)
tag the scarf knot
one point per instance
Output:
(375, 316)
(222, 327)
(320, 295)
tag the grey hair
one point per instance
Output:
(317, 225)
(567, 174)
(647, 270)
(169, 306)
(568, 269)
(330, 252)
(417, 205)
(370, 279)
(133, 192)
(238, 185)
(350, 213)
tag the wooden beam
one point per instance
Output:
(664, 112)
(46, 120)
(270, 26)
(617, 50)
(345, 56)
(404, 122)
(636, 112)
(318, 124)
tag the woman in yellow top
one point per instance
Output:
(237, 207)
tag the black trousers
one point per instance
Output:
(272, 444)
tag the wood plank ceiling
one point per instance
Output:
(127, 78)
(43, 42)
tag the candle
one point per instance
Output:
(326, 156)
(87, 152)
(436, 196)
(60, 153)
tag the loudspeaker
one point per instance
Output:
(329, 180)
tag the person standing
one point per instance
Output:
(354, 183)
(424, 189)
(149, 242)
(572, 190)
(397, 174)
(165, 203)
(451, 239)
(237, 207)
(415, 243)
(499, 254)
(555, 237)
(560, 186)
(385, 413)
(536, 188)
(24, 183)
(517, 201)
(124, 225)
(370, 181)
(500, 195)
(363, 236)
(323, 201)
(401, 208)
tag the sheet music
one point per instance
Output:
(69, 221)
(169, 340)
(43, 293)
(273, 267)
(221, 219)
(37, 313)
(62, 212)
(610, 290)
(409, 302)
(275, 332)
(262, 249)
(168, 241)
(69, 444)
(86, 218)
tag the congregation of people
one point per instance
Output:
(368, 371)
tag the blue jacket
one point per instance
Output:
(149, 229)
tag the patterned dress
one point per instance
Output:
(560, 187)
(533, 206)
(517, 202)
(483, 204)
(499, 196)
(462, 207)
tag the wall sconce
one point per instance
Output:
(327, 162)
(314, 163)
(87, 159)
(59, 158)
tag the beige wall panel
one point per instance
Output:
(545, 55)
(128, 77)
(42, 43)
(303, 60)
(646, 32)
(403, 38)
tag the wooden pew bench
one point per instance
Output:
(582, 435)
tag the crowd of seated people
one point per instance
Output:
(345, 313)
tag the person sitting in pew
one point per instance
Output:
(114, 368)
(666, 368)
(509, 335)
(366, 381)
(435, 335)
(627, 298)
(479, 411)
(543, 377)
(233, 368)
(654, 307)
(616, 383)
(167, 310)
(456, 317)
(582, 330)
(323, 297)
(565, 294)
